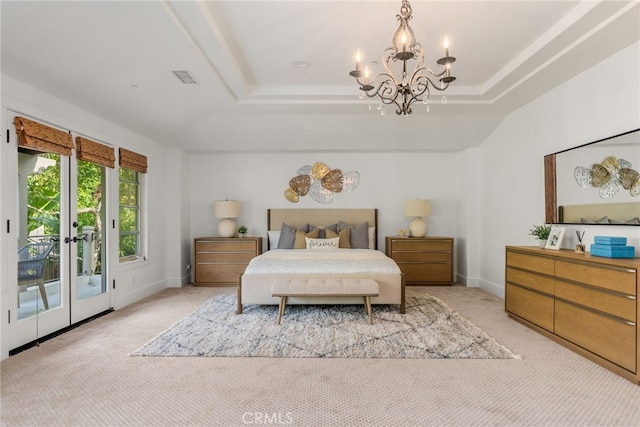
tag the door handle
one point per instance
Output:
(75, 239)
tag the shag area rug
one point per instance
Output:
(428, 330)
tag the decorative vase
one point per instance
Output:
(542, 243)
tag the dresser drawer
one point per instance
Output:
(536, 263)
(607, 337)
(408, 244)
(606, 277)
(530, 280)
(421, 256)
(236, 245)
(615, 304)
(532, 306)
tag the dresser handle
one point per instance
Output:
(630, 323)
(631, 297)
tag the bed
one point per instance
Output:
(254, 285)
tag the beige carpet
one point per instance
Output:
(86, 378)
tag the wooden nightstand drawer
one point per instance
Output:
(418, 244)
(226, 246)
(219, 261)
(400, 256)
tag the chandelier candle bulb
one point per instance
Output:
(358, 60)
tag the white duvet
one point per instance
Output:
(296, 261)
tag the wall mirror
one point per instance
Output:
(595, 183)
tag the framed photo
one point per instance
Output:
(555, 238)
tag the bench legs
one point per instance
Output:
(283, 304)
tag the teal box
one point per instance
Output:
(610, 240)
(609, 251)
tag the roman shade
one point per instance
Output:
(38, 137)
(132, 160)
(94, 152)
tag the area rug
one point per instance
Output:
(428, 330)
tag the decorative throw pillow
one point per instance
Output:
(274, 238)
(372, 237)
(358, 235)
(343, 236)
(300, 242)
(321, 244)
(288, 235)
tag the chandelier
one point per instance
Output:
(410, 87)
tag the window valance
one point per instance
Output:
(38, 137)
(132, 160)
(95, 152)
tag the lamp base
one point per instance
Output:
(227, 228)
(418, 227)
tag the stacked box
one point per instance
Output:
(612, 247)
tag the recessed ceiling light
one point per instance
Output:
(133, 87)
(301, 64)
(185, 77)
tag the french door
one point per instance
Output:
(61, 244)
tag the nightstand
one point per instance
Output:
(218, 261)
(423, 260)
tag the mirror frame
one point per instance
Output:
(550, 181)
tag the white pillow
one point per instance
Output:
(322, 244)
(274, 238)
(372, 237)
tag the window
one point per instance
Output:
(129, 215)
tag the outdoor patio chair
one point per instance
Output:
(31, 261)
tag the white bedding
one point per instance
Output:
(255, 287)
(300, 261)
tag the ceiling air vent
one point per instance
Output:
(185, 77)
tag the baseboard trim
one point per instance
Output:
(37, 342)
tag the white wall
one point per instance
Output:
(386, 181)
(589, 107)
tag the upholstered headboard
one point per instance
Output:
(321, 217)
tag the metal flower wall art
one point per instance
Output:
(320, 182)
(609, 177)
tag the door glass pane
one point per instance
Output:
(39, 233)
(91, 244)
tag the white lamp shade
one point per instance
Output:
(226, 209)
(417, 208)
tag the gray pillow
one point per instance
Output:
(288, 235)
(358, 235)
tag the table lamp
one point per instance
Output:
(226, 209)
(417, 209)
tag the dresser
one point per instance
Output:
(423, 260)
(219, 260)
(588, 304)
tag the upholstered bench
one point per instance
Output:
(285, 288)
